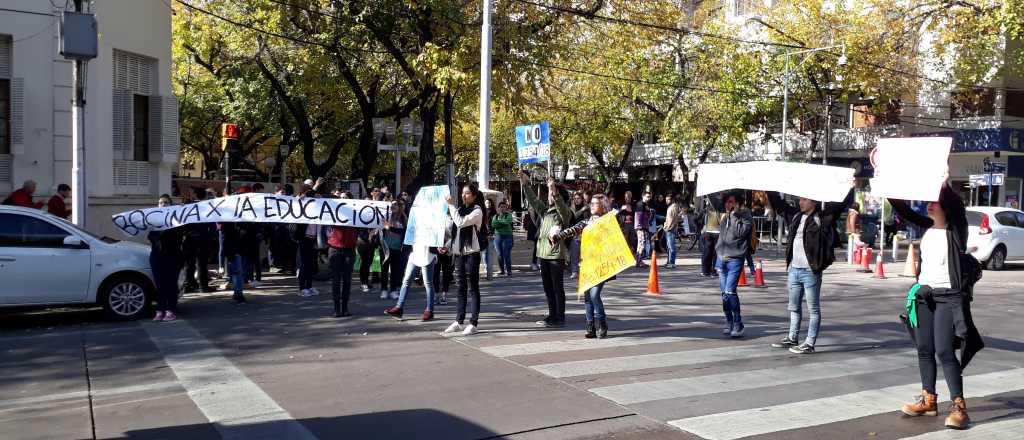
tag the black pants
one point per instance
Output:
(707, 258)
(365, 261)
(197, 257)
(935, 337)
(165, 275)
(283, 250)
(443, 273)
(392, 269)
(341, 262)
(553, 274)
(534, 253)
(308, 262)
(255, 263)
(467, 272)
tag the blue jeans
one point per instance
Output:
(574, 255)
(595, 307)
(670, 244)
(236, 266)
(804, 283)
(728, 278)
(488, 251)
(428, 283)
(504, 245)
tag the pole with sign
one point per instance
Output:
(228, 143)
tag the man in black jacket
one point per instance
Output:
(809, 251)
(198, 242)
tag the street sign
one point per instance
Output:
(533, 143)
(985, 179)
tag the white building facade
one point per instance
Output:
(131, 114)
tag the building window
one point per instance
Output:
(5, 116)
(140, 138)
(971, 103)
(1015, 103)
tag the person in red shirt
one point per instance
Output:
(57, 204)
(341, 241)
(23, 196)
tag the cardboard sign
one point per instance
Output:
(603, 252)
(816, 182)
(910, 168)
(428, 217)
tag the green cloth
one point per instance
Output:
(912, 305)
(553, 216)
(502, 224)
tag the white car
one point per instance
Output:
(48, 261)
(995, 235)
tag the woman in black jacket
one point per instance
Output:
(166, 260)
(944, 291)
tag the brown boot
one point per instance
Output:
(958, 418)
(924, 406)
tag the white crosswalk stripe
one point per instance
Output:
(578, 344)
(1012, 429)
(725, 426)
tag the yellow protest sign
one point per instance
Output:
(603, 252)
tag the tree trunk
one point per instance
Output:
(428, 115)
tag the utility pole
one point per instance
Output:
(78, 42)
(484, 175)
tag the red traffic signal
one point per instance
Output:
(229, 131)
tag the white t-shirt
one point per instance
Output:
(934, 256)
(421, 256)
(799, 254)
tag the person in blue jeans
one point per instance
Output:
(732, 248)
(809, 251)
(501, 224)
(597, 324)
(422, 258)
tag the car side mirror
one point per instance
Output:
(73, 242)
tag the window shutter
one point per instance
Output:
(123, 124)
(5, 57)
(18, 116)
(170, 141)
(155, 128)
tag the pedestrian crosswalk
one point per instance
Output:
(690, 379)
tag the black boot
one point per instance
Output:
(337, 309)
(602, 328)
(591, 332)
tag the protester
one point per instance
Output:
(673, 216)
(709, 234)
(282, 248)
(366, 246)
(489, 213)
(23, 196)
(392, 265)
(551, 254)
(467, 227)
(642, 223)
(423, 258)
(580, 211)
(501, 224)
(809, 251)
(197, 243)
(940, 304)
(233, 239)
(530, 225)
(597, 325)
(732, 247)
(342, 242)
(165, 260)
(58, 205)
(306, 235)
(853, 223)
(626, 220)
(444, 267)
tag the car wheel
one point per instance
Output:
(998, 259)
(126, 298)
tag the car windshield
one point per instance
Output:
(973, 218)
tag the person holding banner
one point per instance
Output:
(166, 260)
(597, 324)
(550, 252)
(810, 249)
(467, 224)
(394, 252)
(939, 305)
(341, 256)
(732, 248)
(423, 258)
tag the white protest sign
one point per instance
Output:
(428, 217)
(910, 168)
(263, 208)
(816, 182)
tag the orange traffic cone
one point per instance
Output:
(652, 279)
(857, 254)
(910, 268)
(865, 261)
(759, 273)
(879, 267)
(743, 278)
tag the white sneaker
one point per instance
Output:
(470, 329)
(314, 292)
(383, 294)
(453, 328)
(365, 288)
(394, 295)
(255, 284)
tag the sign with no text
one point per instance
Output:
(603, 252)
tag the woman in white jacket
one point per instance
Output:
(467, 218)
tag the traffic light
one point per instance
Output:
(229, 137)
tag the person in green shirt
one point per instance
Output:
(501, 223)
(554, 216)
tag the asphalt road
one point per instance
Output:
(281, 367)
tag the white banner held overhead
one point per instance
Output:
(428, 217)
(260, 208)
(816, 182)
(910, 168)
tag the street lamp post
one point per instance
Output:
(785, 86)
(484, 174)
(387, 134)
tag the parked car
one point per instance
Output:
(46, 261)
(995, 235)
